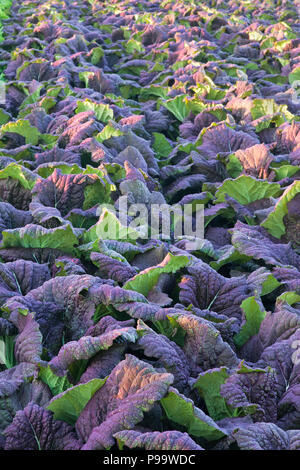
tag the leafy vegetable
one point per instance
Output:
(111, 336)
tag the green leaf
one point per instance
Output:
(108, 132)
(274, 221)
(7, 351)
(55, 90)
(210, 92)
(109, 227)
(254, 313)
(115, 171)
(35, 236)
(209, 385)
(68, 406)
(65, 168)
(290, 298)
(267, 43)
(161, 146)
(26, 178)
(49, 140)
(233, 166)
(129, 91)
(77, 368)
(132, 70)
(103, 112)
(4, 116)
(245, 369)
(170, 328)
(146, 280)
(32, 98)
(2, 352)
(285, 171)
(178, 106)
(228, 254)
(255, 35)
(179, 64)
(263, 107)
(85, 77)
(47, 102)
(23, 128)
(246, 189)
(56, 384)
(269, 285)
(134, 45)
(294, 76)
(96, 193)
(97, 54)
(154, 90)
(100, 191)
(182, 411)
(186, 147)
(265, 122)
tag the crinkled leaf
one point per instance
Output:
(168, 440)
(35, 429)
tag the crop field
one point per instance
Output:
(149, 225)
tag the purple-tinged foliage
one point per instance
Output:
(162, 103)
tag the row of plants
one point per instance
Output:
(113, 343)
